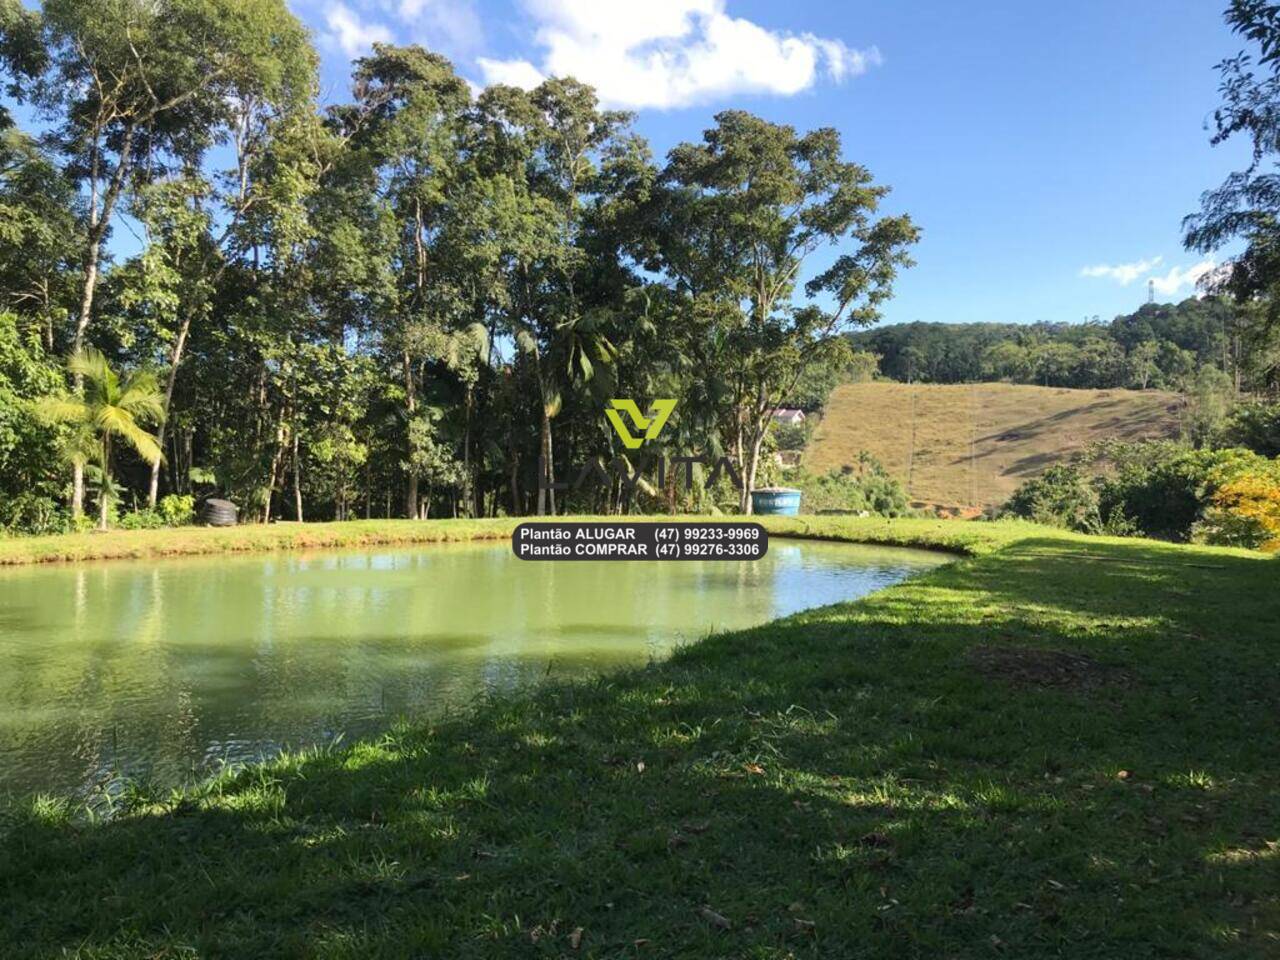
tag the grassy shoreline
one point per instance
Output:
(252, 538)
(1059, 747)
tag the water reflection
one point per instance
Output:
(167, 669)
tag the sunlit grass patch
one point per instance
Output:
(843, 783)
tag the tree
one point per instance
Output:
(407, 122)
(109, 408)
(39, 232)
(1246, 206)
(1207, 400)
(746, 210)
(132, 84)
(1143, 363)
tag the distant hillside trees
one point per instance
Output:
(1158, 346)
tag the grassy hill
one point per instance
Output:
(975, 443)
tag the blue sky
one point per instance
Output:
(1048, 150)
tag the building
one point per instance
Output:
(786, 415)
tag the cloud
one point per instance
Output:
(1123, 273)
(673, 53)
(1183, 278)
(453, 24)
(513, 73)
(347, 32)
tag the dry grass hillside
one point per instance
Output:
(975, 443)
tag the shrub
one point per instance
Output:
(1255, 425)
(791, 436)
(31, 513)
(1062, 496)
(1156, 489)
(1164, 488)
(867, 488)
(144, 519)
(177, 509)
(1244, 512)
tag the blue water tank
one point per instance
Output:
(776, 501)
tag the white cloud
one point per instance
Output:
(1183, 278)
(453, 24)
(672, 53)
(1123, 273)
(349, 33)
(513, 73)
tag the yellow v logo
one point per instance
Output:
(650, 426)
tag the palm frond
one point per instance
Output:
(141, 397)
(62, 410)
(90, 364)
(144, 443)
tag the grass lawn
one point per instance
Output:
(1058, 747)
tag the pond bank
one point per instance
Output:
(249, 538)
(1064, 747)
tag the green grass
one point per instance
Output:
(843, 783)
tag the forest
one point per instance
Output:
(1159, 346)
(418, 300)
(396, 305)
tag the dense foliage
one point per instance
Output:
(414, 301)
(865, 489)
(1157, 346)
(1160, 489)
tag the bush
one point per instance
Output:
(791, 436)
(868, 488)
(1164, 488)
(177, 509)
(1156, 489)
(144, 519)
(1255, 425)
(173, 510)
(30, 513)
(1062, 496)
(1244, 512)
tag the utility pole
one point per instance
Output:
(973, 444)
(911, 451)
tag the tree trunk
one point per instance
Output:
(546, 496)
(515, 485)
(175, 357)
(753, 465)
(411, 504)
(297, 477)
(468, 494)
(106, 482)
(276, 459)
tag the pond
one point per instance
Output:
(165, 670)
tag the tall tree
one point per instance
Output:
(407, 121)
(1246, 206)
(750, 205)
(134, 85)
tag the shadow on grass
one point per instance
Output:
(840, 783)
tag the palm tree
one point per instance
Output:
(109, 408)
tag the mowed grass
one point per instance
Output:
(1057, 747)
(1015, 431)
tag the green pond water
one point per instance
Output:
(167, 670)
